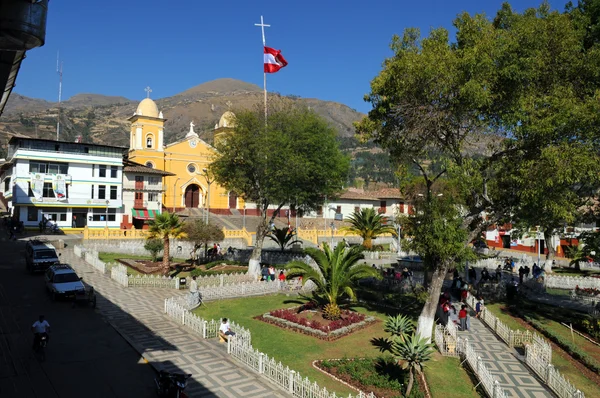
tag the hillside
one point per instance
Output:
(103, 119)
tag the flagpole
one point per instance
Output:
(262, 27)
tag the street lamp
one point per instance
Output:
(106, 214)
(332, 225)
(539, 243)
(208, 182)
(244, 219)
(174, 190)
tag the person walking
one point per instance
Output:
(462, 317)
(194, 293)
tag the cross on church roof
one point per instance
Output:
(148, 90)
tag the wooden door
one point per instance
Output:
(192, 196)
(232, 200)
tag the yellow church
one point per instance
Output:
(191, 187)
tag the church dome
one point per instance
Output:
(147, 108)
(227, 120)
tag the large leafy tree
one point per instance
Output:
(368, 224)
(478, 112)
(291, 158)
(201, 234)
(336, 275)
(166, 226)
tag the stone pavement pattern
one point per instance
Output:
(514, 376)
(138, 314)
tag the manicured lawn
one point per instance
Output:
(560, 360)
(298, 351)
(558, 292)
(574, 272)
(446, 378)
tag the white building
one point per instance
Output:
(387, 201)
(74, 184)
(142, 194)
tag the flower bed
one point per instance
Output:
(311, 322)
(587, 291)
(382, 376)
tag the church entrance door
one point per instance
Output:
(192, 196)
(232, 200)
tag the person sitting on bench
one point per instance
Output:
(224, 329)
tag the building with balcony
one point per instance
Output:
(73, 184)
(142, 194)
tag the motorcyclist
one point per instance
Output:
(39, 328)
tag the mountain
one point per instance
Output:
(103, 119)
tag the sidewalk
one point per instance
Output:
(167, 345)
(514, 376)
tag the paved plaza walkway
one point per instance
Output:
(513, 375)
(137, 313)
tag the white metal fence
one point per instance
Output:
(240, 348)
(570, 282)
(449, 344)
(537, 359)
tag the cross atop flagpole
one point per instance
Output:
(262, 28)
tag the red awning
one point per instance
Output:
(144, 214)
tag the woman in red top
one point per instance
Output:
(281, 276)
(462, 317)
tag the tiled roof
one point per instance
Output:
(132, 167)
(358, 194)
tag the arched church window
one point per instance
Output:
(150, 164)
(191, 168)
(149, 142)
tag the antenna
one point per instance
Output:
(59, 70)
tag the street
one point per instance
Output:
(85, 356)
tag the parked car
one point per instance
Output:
(62, 281)
(39, 256)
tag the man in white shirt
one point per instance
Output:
(39, 328)
(224, 328)
(195, 297)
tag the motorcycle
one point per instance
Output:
(171, 385)
(40, 346)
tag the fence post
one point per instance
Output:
(291, 386)
(204, 329)
(260, 363)
(176, 282)
(183, 317)
(229, 344)
(221, 280)
(496, 387)
(479, 360)
(549, 370)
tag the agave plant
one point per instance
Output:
(412, 354)
(399, 326)
(336, 277)
(283, 237)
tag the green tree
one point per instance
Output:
(369, 225)
(164, 227)
(154, 246)
(293, 159)
(335, 277)
(201, 234)
(283, 237)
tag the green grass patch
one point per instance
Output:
(574, 272)
(446, 378)
(559, 360)
(298, 351)
(113, 257)
(558, 292)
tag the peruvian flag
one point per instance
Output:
(273, 60)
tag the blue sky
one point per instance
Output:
(334, 48)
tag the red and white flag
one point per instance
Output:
(273, 60)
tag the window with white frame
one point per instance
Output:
(152, 196)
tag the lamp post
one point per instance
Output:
(244, 219)
(539, 243)
(106, 214)
(208, 182)
(332, 225)
(174, 190)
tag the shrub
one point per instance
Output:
(154, 246)
(348, 318)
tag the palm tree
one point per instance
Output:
(336, 276)
(368, 224)
(412, 352)
(282, 236)
(164, 227)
